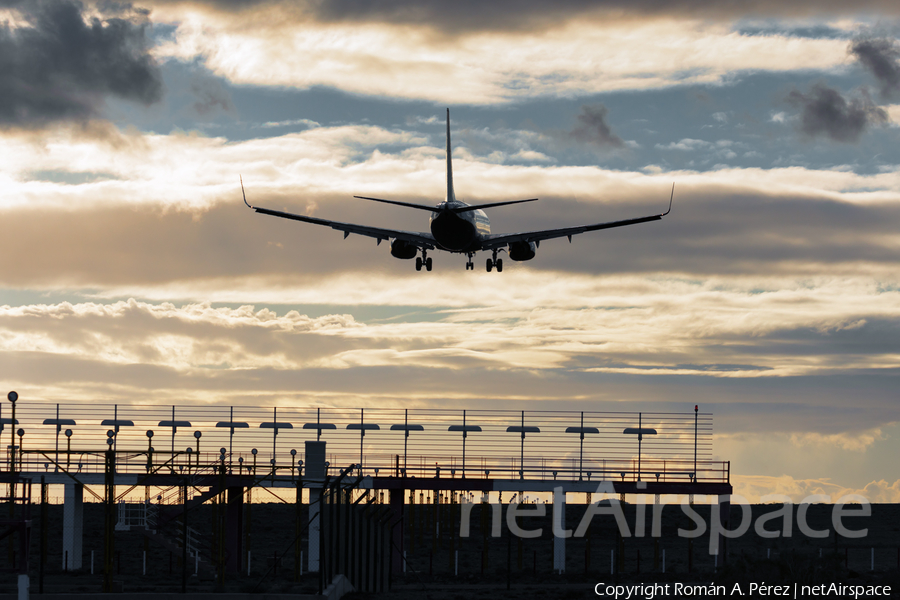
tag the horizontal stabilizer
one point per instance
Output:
(398, 203)
(490, 205)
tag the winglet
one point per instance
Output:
(242, 192)
(670, 201)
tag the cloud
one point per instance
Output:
(754, 487)
(59, 64)
(152, 209)
(290, 123)
(893, 111)
(163, 335)
(881, 57)
(210, 96)
(576, 58)
(593, 129)
(508, 350)
(517, 16)
(854, 442)
(723, 149)
(825, 111)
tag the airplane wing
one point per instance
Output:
(492, 242)
(416, 238)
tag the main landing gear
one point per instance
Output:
(494, 262)
(423, 260)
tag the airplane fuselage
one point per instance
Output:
(459, 232)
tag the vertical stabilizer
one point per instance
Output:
(450, 195)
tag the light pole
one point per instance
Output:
(149, 450)
(68, 448)
(59, 423)
(465, 429)
(581, 430)
(116, 422)
(197, 435)
(174, 425)
(405, 427)
(523, 429)
(319, 425)
(12, 397)
(362, 426)
(21, 433)
(275, 425)
(641, 432)
(696, 409)
(231, 425)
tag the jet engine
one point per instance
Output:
(403, 249)
(522, 250)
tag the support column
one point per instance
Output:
(559, 540)
(725, 519)
(24, 586)
(314, 529)
(234, 527)
(315, 475)
(397, 533)
(73, 520)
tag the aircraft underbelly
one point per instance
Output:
(453, 233)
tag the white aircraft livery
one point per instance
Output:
(457, 227)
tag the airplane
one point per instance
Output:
(457, 227)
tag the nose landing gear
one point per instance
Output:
(470, 266)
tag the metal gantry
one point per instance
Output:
(680, 450)
(118, 453)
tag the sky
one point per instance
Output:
(131, 272)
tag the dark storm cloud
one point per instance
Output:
(825, 111)
(476, 15)
(593, 129)
(60, 67)
(881, 56)
(111, 8)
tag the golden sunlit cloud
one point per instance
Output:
(756, 488)
(65, 169)
(586, 56)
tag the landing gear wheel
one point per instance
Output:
(489, 265)
(418, 263)
(428, 264)
(499, 264)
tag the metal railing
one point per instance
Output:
(508, 444)
(426, 466)
(136, 514)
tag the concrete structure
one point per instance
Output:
(73, 526)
